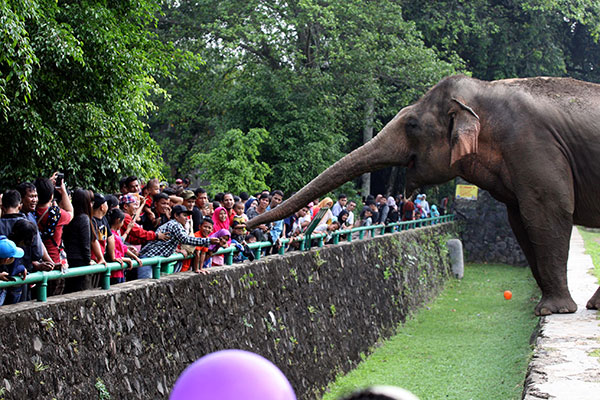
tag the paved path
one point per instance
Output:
(563, 366)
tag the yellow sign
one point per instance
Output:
(466, 192)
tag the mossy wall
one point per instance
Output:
(312, 313)
(486, 233)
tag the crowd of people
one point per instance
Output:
(45, 227)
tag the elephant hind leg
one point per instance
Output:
(594, 302)
(549, 272)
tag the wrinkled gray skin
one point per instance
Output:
(533, 143)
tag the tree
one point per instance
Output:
(231, 165)
(74, 84)
(514, 38)
(303, 70)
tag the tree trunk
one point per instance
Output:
(390, 188)
(368, 135)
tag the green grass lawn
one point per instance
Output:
(470, 343)
(592, 247)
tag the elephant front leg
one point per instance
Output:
(546, 246)
(594, 302)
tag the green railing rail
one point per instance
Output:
(160, 265)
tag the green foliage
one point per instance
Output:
(591, 238)
(302, 71)
(513, 38)
(74, 84)
(231, 165)
(103, 393)
(470, 343)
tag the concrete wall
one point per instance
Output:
(312, 313)
(486, 233)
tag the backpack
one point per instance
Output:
(393, 216)
(47, 231)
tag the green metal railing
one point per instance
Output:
(160, 265)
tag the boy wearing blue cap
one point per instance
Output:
(8, 252)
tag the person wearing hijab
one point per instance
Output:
(250, 203)
(393, 213)
(220, 219)
(328, 217)
(224, 237)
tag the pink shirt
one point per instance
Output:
(120, 251)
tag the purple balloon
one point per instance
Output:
(232, 375)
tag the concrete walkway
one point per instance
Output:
(566, 361)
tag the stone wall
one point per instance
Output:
(485, 231)
(312, 313)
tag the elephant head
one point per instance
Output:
(428, 137)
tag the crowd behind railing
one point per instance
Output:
(71, 241)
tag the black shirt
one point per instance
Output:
(77, 238)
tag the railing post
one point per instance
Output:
(350, 235)
(336, 238)
(42, 294)
(229, 258)
(156, 270)
(361, 235)
(106, 279)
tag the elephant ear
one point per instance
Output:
(465, 132)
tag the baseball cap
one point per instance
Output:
(8, 248)
(179, 209)
(188, 194)
(178, 181)
(98, 200)
(128, 199)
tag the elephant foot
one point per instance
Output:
(555, 305)
(594, 302)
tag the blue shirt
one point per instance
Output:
(276, 230)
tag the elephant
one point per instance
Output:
(532, 143)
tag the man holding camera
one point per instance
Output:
(51, 218)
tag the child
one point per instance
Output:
(202, 257)
(116, 217)
(223, 235)
(365, 216)
(238, 239)
(152, 188)
(8, 253)
(240, 217)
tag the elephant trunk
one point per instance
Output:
(376, 154)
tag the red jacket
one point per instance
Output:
(137, 234)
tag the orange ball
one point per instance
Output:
(507, 294)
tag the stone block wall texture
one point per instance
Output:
(312, 313)
(486, 232)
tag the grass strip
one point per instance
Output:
(470, 343)
(591, 241)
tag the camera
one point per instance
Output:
(59, 179)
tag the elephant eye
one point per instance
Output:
(411, 126)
